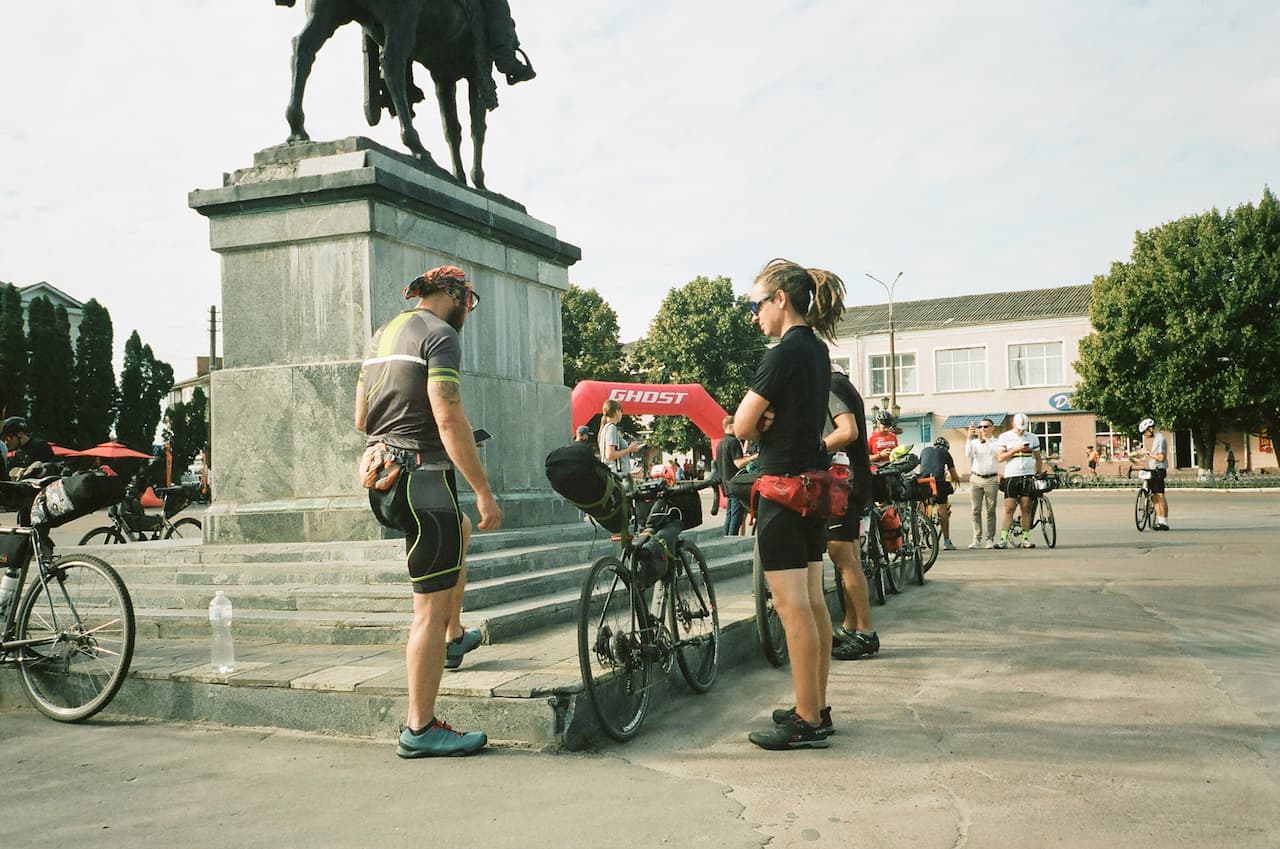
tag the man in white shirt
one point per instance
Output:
(1020, 453)
(984, 481)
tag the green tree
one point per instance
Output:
(701, 334)
(187, 430)
(144, 381)
(95, 379)
(50, 391)
(1185, 331)
(589, 331)
(13, 350)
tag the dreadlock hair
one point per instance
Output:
(802, 284)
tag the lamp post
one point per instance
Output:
(893, 357)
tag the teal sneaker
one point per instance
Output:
(455, 649)
(439, 740)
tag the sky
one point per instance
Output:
(974, 147)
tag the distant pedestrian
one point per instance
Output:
(615, 451)
(27, 449)
(730, 459)
(984, 481)
(582, 434)
(1231, 466)
(429, 433)
(1091, 454)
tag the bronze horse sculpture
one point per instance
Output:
(445, 36)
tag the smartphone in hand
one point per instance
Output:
(481, 436)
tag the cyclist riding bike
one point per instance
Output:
(1157, 455)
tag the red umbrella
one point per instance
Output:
(59, 451)
(113, 450)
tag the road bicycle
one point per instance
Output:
(1144, 508)
(1068, 477)
(1041, 511)
(650, 609)
(71, 633)
(129, 526)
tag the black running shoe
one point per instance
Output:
(856, 645)
(782, 715)
(795, 733)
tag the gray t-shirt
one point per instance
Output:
(404, 355)
(610, 435)
(1159, 445)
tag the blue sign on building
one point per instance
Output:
(1061, 401)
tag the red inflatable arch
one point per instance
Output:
(673, 399)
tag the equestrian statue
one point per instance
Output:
(453, 39)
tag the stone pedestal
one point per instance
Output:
(317, 241)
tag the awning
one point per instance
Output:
(961, 422)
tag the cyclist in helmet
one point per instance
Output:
(882, 441)
(1020, 453)
(936, 462)
(1157, 455)
(26, 448)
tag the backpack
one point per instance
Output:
(577, 476)
(891, 529)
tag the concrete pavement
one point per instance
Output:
(1121, 690)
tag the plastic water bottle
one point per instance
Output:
(840, 464)
(223, 654)
(8, 590)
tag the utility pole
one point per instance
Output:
(893, 355)
(213, 340)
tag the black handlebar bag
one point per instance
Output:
(74, 496)
(577, 476)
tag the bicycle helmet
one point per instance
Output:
(884, 417)
(1143, 426)
(941, 442)
(1021, 421)
(14, 424)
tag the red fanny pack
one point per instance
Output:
(817, 493)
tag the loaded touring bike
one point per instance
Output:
(652, 608)
(71, 631)
(138, 526)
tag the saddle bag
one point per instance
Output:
(579, 478)
(74, 496)
(891, 529)
(655, 552)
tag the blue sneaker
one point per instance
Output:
(438, 740)
(455, 649)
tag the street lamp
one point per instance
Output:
(893, 358)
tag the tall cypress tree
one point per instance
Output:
(95, 378)
(13, 350)
(130, 425)
(158, 380)
(50, 389)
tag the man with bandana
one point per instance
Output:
(409, 399)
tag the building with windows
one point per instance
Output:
(57, 297)
(959, 359)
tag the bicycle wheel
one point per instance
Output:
(82, 616)
(106, 535)
(1047, 525)
(1075, 480)
(931, 539)
(903, 560)
(695, 620)
(1142, 511)
(839, 581)
(773, 640)
(873, 563)
(193, 529)
(615, 669)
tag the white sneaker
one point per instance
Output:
(975, 544)
(989, 544)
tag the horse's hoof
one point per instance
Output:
(298, 138)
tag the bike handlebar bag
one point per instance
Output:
(15, 551)
(579, 478)
(74, 496)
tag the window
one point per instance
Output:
(906, 377)
(1050, 434)
(1113, 445)
(960, 369)
(1035, 364)
(843, 362)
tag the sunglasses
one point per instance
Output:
(464, 295)
(985, 427)
(754, 306)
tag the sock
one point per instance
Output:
(1026, 534)
(416, 731)
(1004, 535)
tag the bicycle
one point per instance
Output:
(71, 633)
(1068, 477)
(129, 526)
(632, 621)
(1041, 511)
(1144, 508)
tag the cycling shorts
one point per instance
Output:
(945, 491)
(786, 539)
(424, 504)
(846, 528)
(1020, 486)
(1156, 483)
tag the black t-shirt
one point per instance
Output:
(934, 462)
(845, 395)
(727, 451)
(35, 450)
(794, 377)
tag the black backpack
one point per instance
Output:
(577, 476)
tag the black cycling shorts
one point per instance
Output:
(846, 528)
(945, 491)
(786, 539)
(424, 504)
(1156, 483)
(1021, 486)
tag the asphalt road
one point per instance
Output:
(1120, 690)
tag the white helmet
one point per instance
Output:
(1021, 422)
(1146, 424)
